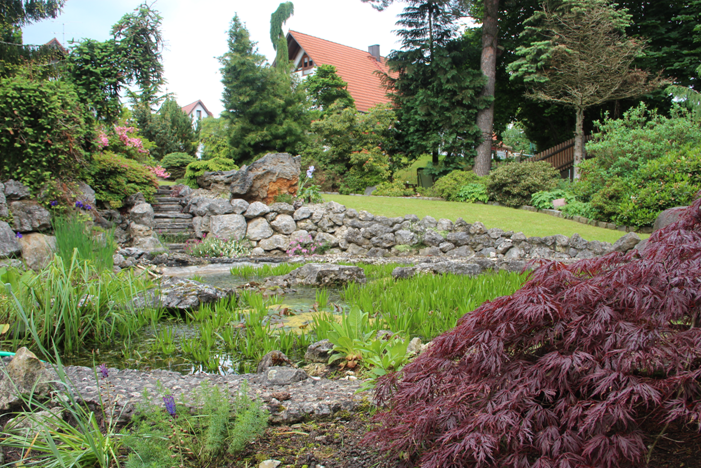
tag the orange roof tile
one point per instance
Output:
(356, 67)
(190, 107)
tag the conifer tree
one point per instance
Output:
(435, 92)
(325, 87)
(263, 106)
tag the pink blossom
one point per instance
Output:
(159, 171)
(102, 140)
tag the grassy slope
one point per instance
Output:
(508, 219)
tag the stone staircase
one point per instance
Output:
(170, 220)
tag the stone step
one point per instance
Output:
(167, 199)
(164, 208)
(160, 226)
(173, 232)
(172, 215)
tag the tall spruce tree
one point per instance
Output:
(435, 91)
(325, 88)
(265, 109)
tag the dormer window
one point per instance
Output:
(305, 65)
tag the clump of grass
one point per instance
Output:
(264, 271)
(74, 232)
(213, 246)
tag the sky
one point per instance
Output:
(195, 33)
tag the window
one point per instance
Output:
(199, 114)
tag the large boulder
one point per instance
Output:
(325, 275)
(9, 244)
(626, 243)
(273, 174)
(181, 294)
(24, 375)
(203, 206)
(37, 250)
(258, 229)
(230, 226)
(29, 216)
(143, 214)
(668, 217)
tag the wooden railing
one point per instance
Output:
(561, 156)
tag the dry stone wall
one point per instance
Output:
(273, 229)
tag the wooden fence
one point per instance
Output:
(561, 156)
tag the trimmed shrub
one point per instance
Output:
(43, 134)
(449, 186)
(114, 178)
(578, 208)
(393, 189)
(176, 163)
(514, 184)
(570, 370)
(198, 168)
(666, 182)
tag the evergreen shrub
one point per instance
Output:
(393, 189)
(114, 178)
(198, 168)
(662, 183)
(449, 186)
(587, 364)
(514, 184)
(176, 163)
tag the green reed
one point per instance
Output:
(74, 232)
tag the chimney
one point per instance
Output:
(374, 50)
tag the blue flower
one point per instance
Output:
(18, 235)
(53, 203)
(87, 207)
(103, 370)
(170, 404)
(310, 172)
(79, 204)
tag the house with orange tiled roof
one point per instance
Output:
(356, 67)
(197, 111)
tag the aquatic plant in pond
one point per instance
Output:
(75, 232)
(264, 271)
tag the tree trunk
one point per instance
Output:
(578, 142)
(434, 158)
(488, 65)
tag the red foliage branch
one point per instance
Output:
(563, 372)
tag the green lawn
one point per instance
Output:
(508, 219)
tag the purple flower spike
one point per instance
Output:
(170, 404)
(18, 235)
(87, 207)
(53, 203)
(79, 204)
(103, 370)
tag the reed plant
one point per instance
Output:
(75, 232)
(264, 271)
(71, 303)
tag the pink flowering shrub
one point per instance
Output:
(124, 140)
(158, 171)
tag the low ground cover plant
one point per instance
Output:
(198, 168)
(214, 246)
(565, 371)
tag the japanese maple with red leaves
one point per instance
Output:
(563, 373)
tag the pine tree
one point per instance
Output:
(264, 107)
(435, 92)
(170, 129)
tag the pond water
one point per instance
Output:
(291, 312)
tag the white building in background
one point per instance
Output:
(197, 111)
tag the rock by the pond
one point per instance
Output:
(182, 294)
(319, 352)
(29, 216)
(273, 359)
(258, 229)
(626, 243)
(204, 206)
(9, 244)
(270, 464)
(325, 275)
(256, 210)
(37, 250)
(282, 376)
(271, 175)
(24, 374)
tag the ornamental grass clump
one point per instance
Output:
(214, 246)
(587, 365)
